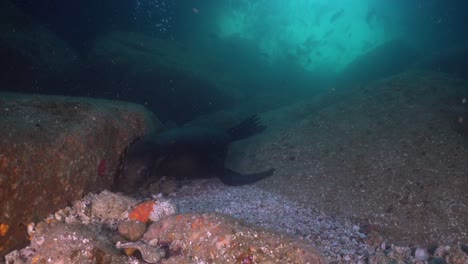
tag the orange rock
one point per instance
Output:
(4, 229)
(152, 211)
(129, 251)
(142, 211)
(35, 259)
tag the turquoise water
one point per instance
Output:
(263, 53)
(356, 107)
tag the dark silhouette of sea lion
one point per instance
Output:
(187, 152)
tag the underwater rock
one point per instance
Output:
(73, 243)
(132, 230)
(457, 256)
(152, 211)
(437, 260)
(421, 254)
(111, 206)
(53, 150)
(29, 49)
(162, 74)
(453, 61)
(212, 236)
(383, 61)
(374, 239)
(70, 229)
(379, 258)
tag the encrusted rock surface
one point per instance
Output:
(111, 206)
(213, 237)
(132, 230)
(53, 150)
(33, 57)
(159, 73)
(59, 242)
(76, 235)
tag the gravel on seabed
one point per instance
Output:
(338, 239)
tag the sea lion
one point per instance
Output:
(187, 152)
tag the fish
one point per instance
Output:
(336, 16)
(371, 17)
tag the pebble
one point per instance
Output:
(374, 239)
(132, 230)
(421, 254)
(437, 260)
(345, 252)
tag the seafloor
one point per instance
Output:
(338, 239)
(393, 154)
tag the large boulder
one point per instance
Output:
(452, 61)
(392, 153)
(33, 57)
(53, 150)
(213, 237)
(390, 58)
(161, 74)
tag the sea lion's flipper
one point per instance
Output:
(233, 178)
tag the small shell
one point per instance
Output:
(149, 254)
(57, 216)
(31, 229)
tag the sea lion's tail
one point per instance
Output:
(247, 128)
(233, 178)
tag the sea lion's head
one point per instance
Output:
(139, 165)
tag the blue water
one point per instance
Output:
(225, 53)
(361, 104)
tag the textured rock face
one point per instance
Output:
(53, 150)
(383, 61)
(73, 243)
(213, 237)
(160, 70)
(29, 49)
